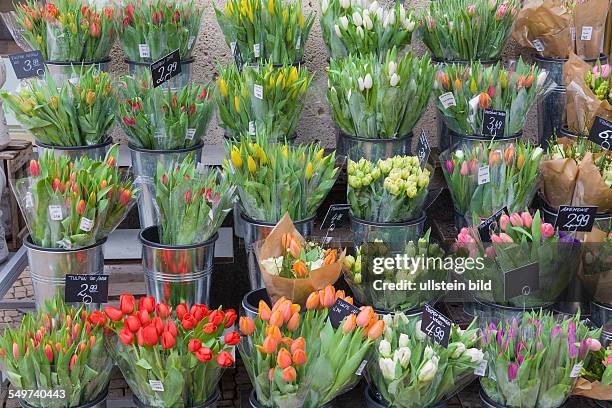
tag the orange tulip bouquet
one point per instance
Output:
(293, 359)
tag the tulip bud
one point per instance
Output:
(289, 374)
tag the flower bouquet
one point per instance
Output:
(512, 176)
(302, 360)
(163, 119)
(363, 28)
(392, 190)
(73, 204)
(63, 30)
(56, 358)
(411, 370)
(268, 98)
(464, 92)
(171, 357)
(192, 202)
(380, 288)
(534, 361)
(293, 267)
(577, 172)
(70, 114)
(596, 379)
(379, 100)
(463, 30)
(273, 179)
(275, 31)
(152, 29)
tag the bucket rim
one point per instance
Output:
(413, 221)
(150, 235)
(78, 63)
(519, 309)
(464, 61)
(108, 140)
(214, 398)
(198, 146)
(565, 59)
(482, 138)
(28, 243)
(407, 137)
(186, 61)
(272, 223)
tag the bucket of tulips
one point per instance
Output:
(72, 118)
(362, 28)
(70, 208)
(56, 357)
(171, 357)
(535, 359)
(408, 369)
(375, 104)
(149, 32)
(517, 241)
(274, 31)
(487, 176)
(178, 253)
(70, 34)
(371, 285)
(596, 276)
(274, 179)
(163, 126)
(300, 359)
(595, 381)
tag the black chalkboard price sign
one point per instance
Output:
(522, 281)
(28, 64)
(340, 310)
(86, 289)
(436, 325)
(166, 68)
(601, 132)
(493, 123)
(570, 218)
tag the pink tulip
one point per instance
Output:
(515, 220)
(503, 221)
(490, 252)
(527, 219)
(547, 230)
(449, 166)
(464, 169)
(594, 344)
(506, 238)
(496, 239)
(512, 371)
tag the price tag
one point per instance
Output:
(156, 385)
(576, 370)
(86, 224)
(570, 218)
(256, 50)
(55, 212)
(233, 47)
(336, 214)
(258, 91)
(29, 200)
(423, 149)
(190, 42)
(538, 45)
(190, 134)
(339, 311)
(522, 281)
(436, 325)
(298, 42)
(86, 289)
(28, 64)
(361, 367)
(251, 128)
(601, 132)
(166, 68)
(481, 369)
(484, 228)
(494, 123)
(143, 51)
(447, 100)
(484, 175)
(586, 34)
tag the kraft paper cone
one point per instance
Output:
(559, 180)
(590, 16)
(593, 390)
(591, 189)
(295, 289)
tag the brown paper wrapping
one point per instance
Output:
(295, 289)
(593, 390)
(559, 180)
(550, 23)
(593, 14)
(591, 189)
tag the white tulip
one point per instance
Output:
(348, 95)
(388, 319)
(374, 7)
(541, 79)
(272, 266)
(380, 13)
(408, 24)
(360, 32)
(402, 356)
(384, 348)
(324, 6)
(428, 371)
(419, 334)
(344, 22)
(392, 67)
(367, 82)
(357, 20)
(475, 355)
(387, 368)
(458, 349)
(367, 22)
(361, 84)
(391, 17)
(337, 30)
(537, 152)
(345, 4)
(388, 332)
(459, 154)
(428, 353)
(400, 318)
(402, 13)
(394, 80)
(366, 12)
(404, 340)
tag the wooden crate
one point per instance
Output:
(15, 160)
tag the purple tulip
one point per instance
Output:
(584, 348)
(555, 331)
(572, 350)
(512, 371)
(520, 359)
(500, 337)
(521, 345)
(449, 166)
(540, 345)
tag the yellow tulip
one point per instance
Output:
(271, 7)
(319, 154)
(308, 171)
(223, 86)
(280, 80)
(285, 152)
(301, 19)
(237, 103)
(54, 102)
(271, 82)
(263, 159)
(236, 159)
(90, 98)
(251, 165)
(293, 76)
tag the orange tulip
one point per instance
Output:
(275, 333)
(294, 248)
(289, 374)
(313, 301)
(295, 308)
(528, 81)
(349, 299)
(285, 310)
(340, 294)
(299, 357)
(509, 154)
(484, 100)
(278, 304)
(283, 359)
(330, 257)
(246, 325)
(285, 240)
(458, 84)
(376, 330)
(271, 374)
(520, 161)
(298, 344)
(365, 316)
(264, 311)
(268, 347)
(293, 323)
(494, 157)
(349, 324)
(299, 269)
(287, 341)
(276, 319)
(444, 81)
(327, 296)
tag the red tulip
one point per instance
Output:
(127, 303)
(171, 327)
(198, 311)
(163, 310)
(158, 324)
(167, 340)
(230, 318)
(150, 336)
(126, 336)
(225, 359)
(143, 316)
(113, 313)
(34, 168)
(80, 209)
(73, 360)
(216, 317)
(188, 322)
(111, 161)
(49, 353)
(132, 323)
(140, 338)
(181, 311)
(97, 318)
(147, 303)
(231, 338)
(194, 345)
(125, 196)
(209, 328)
(204, 354)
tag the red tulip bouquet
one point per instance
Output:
(57, 358)
(171, 357)
(298, 359)
(63, 30)
(73, 204)
(151, 29)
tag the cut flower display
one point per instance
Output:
(381, 100)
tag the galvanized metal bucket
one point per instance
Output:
(394, 234)
(250, 302)
(212, 402)
(94, 152)
(372, 149)
(490, 312)
(144, 166)
(99, 402)
(49, 267)
(62, 72)
(374, 401)
(256, 404)
(136, 69)
(456, 140)
(177, 273)
(259, 230)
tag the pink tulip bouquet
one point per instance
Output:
(598, 80)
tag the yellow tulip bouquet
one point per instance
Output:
(267, 98)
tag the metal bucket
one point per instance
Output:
(489, 403)
(212, 402)
(136, 69)
(258, 230)
(99, 402)
(456, 139)
(250, 302)
(490, 312)
(144, 166)
(62, 72)
(373, 400)
(601, 316)
(602, 220)
(49, 267)
(177, 273)
(372, 149)
(393, 234)
(255, 404)
(94, 152)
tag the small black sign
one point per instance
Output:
(484, 229)
(339, 311)
(28, 64)
(336, 214)
(601, 132)
(521, 281)
(436, 325)
(571, 218)
(493, 123)
(166, 68)
(86, 289)
(423, 149)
